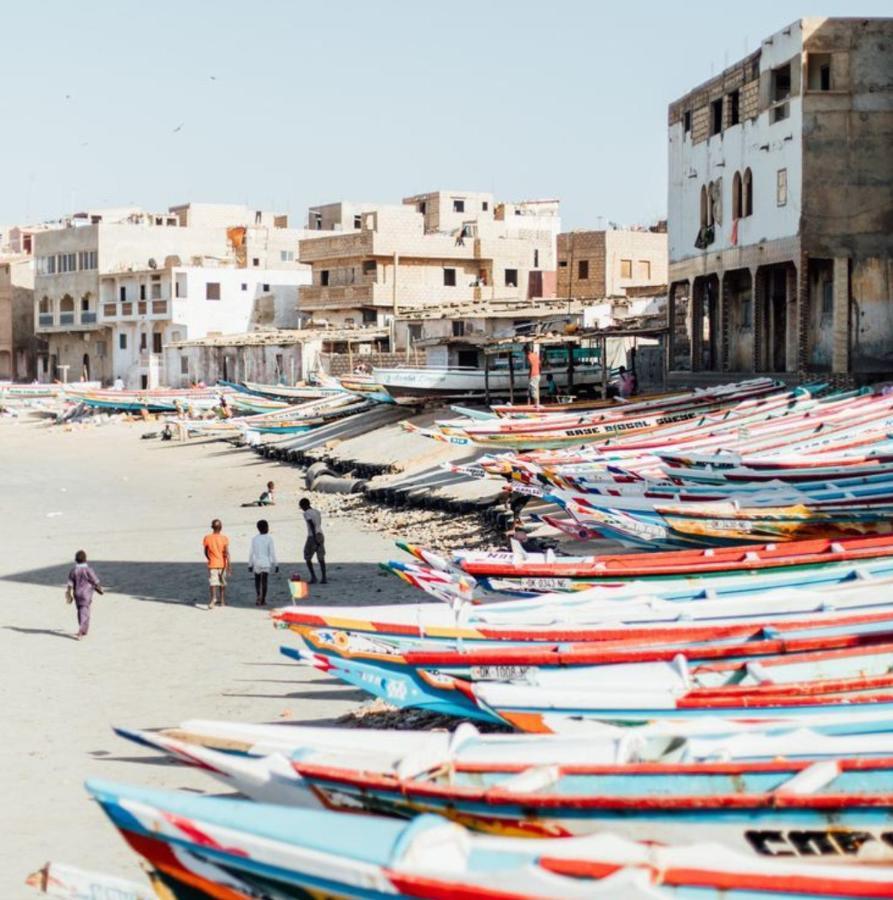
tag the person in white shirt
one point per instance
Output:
(316, 542)
(262, 560)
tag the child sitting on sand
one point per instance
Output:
(267, 498)
(82, 582)
(261, 560)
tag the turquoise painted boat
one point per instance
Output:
(216, 847)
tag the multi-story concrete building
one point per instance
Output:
(439, 247)
(18, 344)
(780, 200)
(112, 287)
(593, 265)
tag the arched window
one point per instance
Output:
(736, 196)
(45, 305)
(66, 304)
(710, 204)
(748, 193)
(703, 206)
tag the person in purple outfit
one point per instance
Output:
(82, 582)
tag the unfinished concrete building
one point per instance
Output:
(439, 247)
(594, 265)
(781, 209)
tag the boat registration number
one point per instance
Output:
(813, 842)
(498, 673)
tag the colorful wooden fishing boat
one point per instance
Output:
(570, 573)
(234, 849)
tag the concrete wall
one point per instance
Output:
(848, 186)
(266, 363)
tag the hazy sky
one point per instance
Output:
(289, 104)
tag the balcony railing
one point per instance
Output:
(159, 307)
(109, 310)
(66, 318)
(126, 309)
(88, 318)
(45, 320)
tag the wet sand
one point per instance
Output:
(154, 657)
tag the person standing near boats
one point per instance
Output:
(216, 547)
(82, 582)
(533, 364)
(316, 542)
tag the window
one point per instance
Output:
(100, 349)
(583, 269)
(780, 90)
(317, 221)
(626, 268)
(686, 122)
(177, 287)
(781, 83)
(485, 205)
(255, 262)
(244, 286)
(184, 365)
(156, 342)
(85, 303)
(369, 267)
(144, 342)
(324, 278)
(703, 206)
(286, 255)
(449, 277)
(781, 187)
(458, 328)
(370, 316)
(736, 196)
(212, 290)
(122, 293)
(459, 206)
(357, 221)
(67, 262)
(414, 330)
(818, 76)
(156, 290)
(562, 263)
(422, 207)
(734, 108)
(536, 259)
(122, 341)
(142, 292)
(716, 116)
(643, 269)
(265, 288)
(748, 193)
(511, 278)
(746, 314)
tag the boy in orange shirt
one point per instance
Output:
(216, 547)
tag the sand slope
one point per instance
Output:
(139, 509)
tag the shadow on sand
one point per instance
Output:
(351, 584)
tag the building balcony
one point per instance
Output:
(67, 321)
(139, 309)
(344, 296)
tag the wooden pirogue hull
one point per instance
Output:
(236, 850)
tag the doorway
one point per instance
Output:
(85, 367)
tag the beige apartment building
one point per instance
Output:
(435, 248)
(593, 265)
(113, 286)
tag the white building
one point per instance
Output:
(113, 287)
(780, 191)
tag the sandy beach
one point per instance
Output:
(155, 655)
